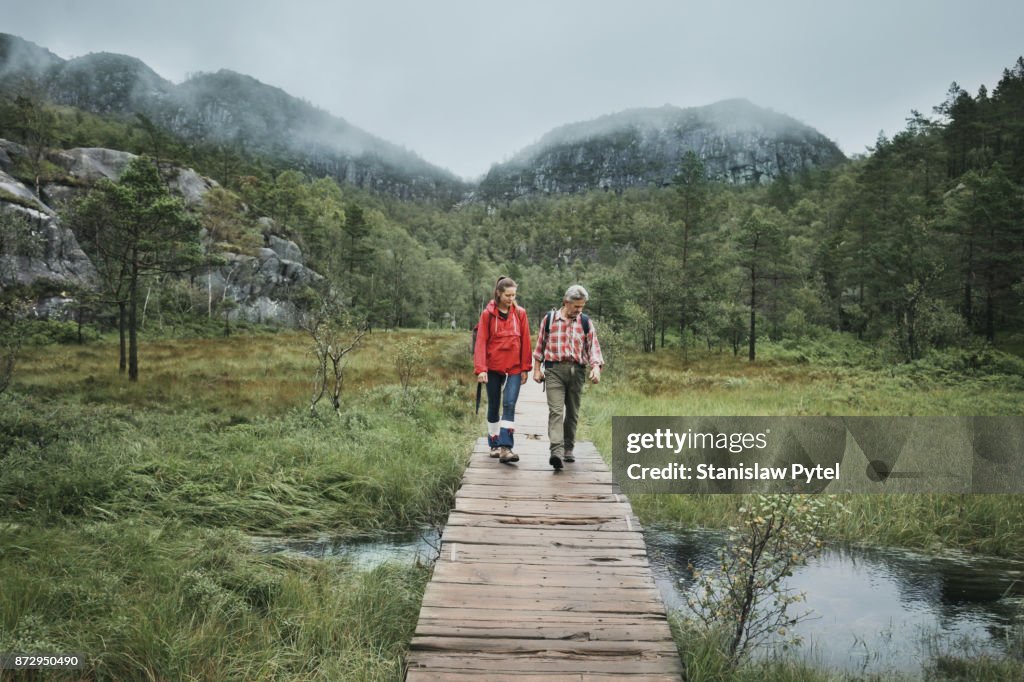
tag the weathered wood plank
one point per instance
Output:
(438, 676)
(488, 664)
(543, 537)
(486, 612)
(543, 647)
(502, 629)
(542, 575)
(615, 523)
(511, 575)
(571, 561)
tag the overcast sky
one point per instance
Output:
(467, 83)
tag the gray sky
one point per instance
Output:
(468, 83)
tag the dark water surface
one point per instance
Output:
(363, 553)
(874, 610)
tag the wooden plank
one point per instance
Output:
(488, 664)
(586, 631)
(483, 613)
(511, 575)
(586, 604)
(543, 647)
(542, 576)
(540, 522)
(541, 593)
(570, 562)
(543, 537)
(424, 676)
(576, 493)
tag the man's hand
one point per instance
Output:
(538, 376)
(481, 378)
(595, 373)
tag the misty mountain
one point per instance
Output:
(738, 142)
(231, 109)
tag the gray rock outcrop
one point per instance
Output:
(259, 287)
(89, 165)
(48, 252)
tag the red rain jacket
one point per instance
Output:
(503, 345)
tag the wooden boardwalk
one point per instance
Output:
(542, 576)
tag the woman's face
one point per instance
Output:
(507, 297)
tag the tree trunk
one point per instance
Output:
(751, 352)
(133, 333)
(990, 314)
(122, 322)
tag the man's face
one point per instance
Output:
(574, 308)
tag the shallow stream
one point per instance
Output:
(872, 610)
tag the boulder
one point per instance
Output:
(57, 257)
(10, 152)
(286, 250)
(191, 186)
(260, 286)
(14, 192)
(89, 165)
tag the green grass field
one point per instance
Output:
(817, 379)
(127, 510)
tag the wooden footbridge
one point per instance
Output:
(542, 576)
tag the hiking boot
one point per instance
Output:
(568, 458)
(556, 462)
(495, 451)
(507, 456)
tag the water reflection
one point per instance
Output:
(363, 553)
(874, 609)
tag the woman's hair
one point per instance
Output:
(503, 283)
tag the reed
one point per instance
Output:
(127, 509)
(844, 380)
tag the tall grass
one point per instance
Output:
(126, 509)
(170, 601)
(841, 378)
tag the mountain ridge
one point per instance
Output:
(738, 141)
(263, 118)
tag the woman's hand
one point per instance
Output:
(481, 378)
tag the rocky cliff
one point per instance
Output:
(36, 248)
(738, 142)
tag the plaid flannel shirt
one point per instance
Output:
(564, 342)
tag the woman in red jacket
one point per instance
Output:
(503, 359)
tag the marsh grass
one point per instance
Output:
(826, 377)
(836, 378)
(126, 510)
(170, 601)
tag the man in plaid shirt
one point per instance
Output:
(566, 346)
